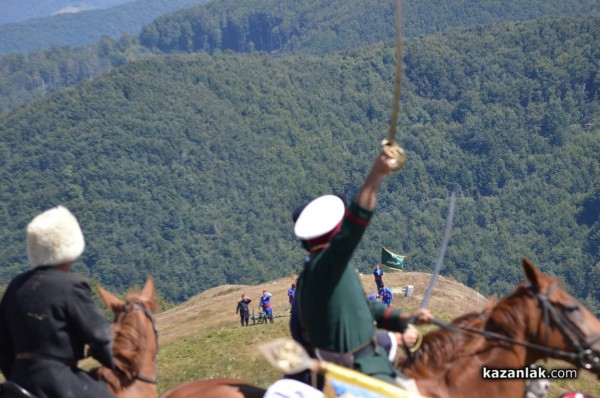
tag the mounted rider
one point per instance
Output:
(336, 320)
(47, 316)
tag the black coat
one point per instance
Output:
(46, 318)
(242, 308)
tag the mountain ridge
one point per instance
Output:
(13, 11)
(84, 27)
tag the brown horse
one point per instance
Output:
(135, 344)
(215, 388)
(538, 320)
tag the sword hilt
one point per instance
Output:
(396, 152)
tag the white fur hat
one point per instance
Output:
(319, 217)
(54, 237)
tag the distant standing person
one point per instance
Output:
(243, 310)
(386, 295)
(378, 274)
(292, 294)
(265, 303)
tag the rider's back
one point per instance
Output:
(46, 318)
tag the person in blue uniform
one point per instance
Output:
(292, 294)
(386, 295)
(265, 304)
(336, 321)
(47, 316)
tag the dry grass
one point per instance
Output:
(215, 308)
(202, 339)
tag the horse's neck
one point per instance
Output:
(464, 340)
(520, 321)
(449, 364)
(134, 360)
(138, 389)
(442, 348)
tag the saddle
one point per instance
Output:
(9, 389)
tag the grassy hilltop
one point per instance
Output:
(202, 339)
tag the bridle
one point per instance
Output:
(134, 306)
(585, 356)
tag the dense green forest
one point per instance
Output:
(79, 29)
(306, 26)
(27, 77)
(291, 26)
(187, 166)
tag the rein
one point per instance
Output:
(586, 357)
(128, 307)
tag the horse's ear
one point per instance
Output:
(534, 275)
(149, 293)
(490, 304)
(111, 301)
(148, 290)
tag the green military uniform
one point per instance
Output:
(335, 314)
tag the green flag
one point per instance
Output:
(391, 260)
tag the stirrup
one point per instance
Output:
(10, 389)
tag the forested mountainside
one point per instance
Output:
(187, 167)
(12, 11)
(25, 78)
(82, 28)
(306, 26)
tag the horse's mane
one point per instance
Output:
(508, 315)
(129, 340)
(443, 346)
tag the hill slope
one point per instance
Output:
(215, 308)
(202, 339)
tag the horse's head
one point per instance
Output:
(135, 340)
(558, 324)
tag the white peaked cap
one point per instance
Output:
(54, 237)
(319, 217)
